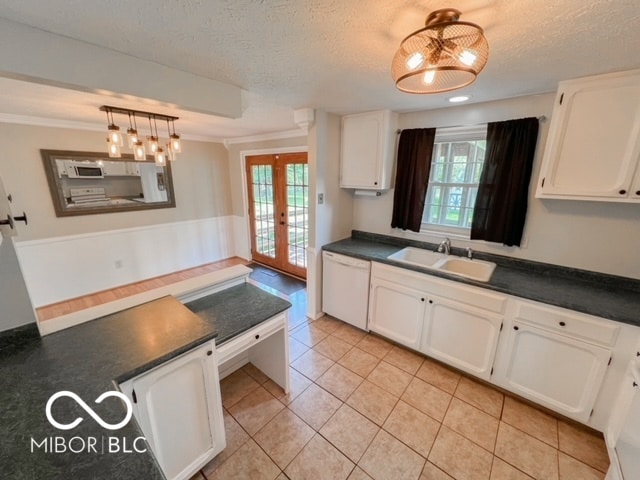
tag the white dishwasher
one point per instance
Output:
(345, 288)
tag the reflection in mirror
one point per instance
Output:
(84, 183)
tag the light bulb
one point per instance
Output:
(114, 149)
(161, 158)
(114, 134)
(153, 144)
(139, 151)
(429, 76)
(415, 60)
(132, 137)
(175, 143)
(468, 57)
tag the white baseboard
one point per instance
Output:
(60, 268)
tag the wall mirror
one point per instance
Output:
(85, 183)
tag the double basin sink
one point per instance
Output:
(478, 270)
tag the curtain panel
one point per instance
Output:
(501, 204)
(415, 149)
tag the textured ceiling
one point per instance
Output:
(335, 54)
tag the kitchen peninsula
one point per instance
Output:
(97, 357)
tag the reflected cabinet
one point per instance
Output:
(85, 183)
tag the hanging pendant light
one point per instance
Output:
(114, 135)
(174, 139)
(161, 158)
(152, 140)
(113, 149)
(139, 152)
(132, 132)
(445, 55)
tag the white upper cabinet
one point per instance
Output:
(593, 148)
(368, 150)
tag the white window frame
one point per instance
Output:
(454, 134)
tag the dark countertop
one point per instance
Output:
(237, 309)
(87, 359)
(607, 296)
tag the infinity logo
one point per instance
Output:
(88, 409)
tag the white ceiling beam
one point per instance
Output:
(31, 54)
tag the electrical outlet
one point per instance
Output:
(118, 263)
(320, 198)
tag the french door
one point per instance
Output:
(278, 188)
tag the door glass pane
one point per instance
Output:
(297, 213)
(262, 180)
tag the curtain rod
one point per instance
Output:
(540, 118)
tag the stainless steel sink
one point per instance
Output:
(479, 270)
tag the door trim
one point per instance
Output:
(245, 193)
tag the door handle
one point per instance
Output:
(281, 222)
(23, 218)
(8, 221)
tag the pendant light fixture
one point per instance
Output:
(174, 139)
(132, 132)
(445, 55)
(152, 140)
(135, 143)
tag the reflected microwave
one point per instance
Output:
(84, 170)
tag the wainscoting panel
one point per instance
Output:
(61, 268)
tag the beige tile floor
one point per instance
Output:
(361, 407)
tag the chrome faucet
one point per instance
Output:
(445, 246)
(469, 253)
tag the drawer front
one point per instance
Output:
(474, 296)
(242, 342)
(571, 323)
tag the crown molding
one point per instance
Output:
(265, 136)
(93, 127)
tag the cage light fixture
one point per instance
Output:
(135, 139)
(445, 55)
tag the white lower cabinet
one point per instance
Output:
(179, 409)
(555, 358)
(397, 312)
(461, 335)
(455, 323)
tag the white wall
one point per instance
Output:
(15, 305)
(595, 236)
(69, 256)
(237, 180)
(333, 219)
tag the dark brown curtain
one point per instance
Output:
(412, 177)
(501, 203)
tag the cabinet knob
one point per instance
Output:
(635, 384)
(209, 353)
(375, 183)
(422, 299)
(562, 324)
(515, 327)
(257, 337)
(622, 192)
(430, 301)
(637, 192)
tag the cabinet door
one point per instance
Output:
(180, 412)
(594, 139)
(553, 370)
(362, 150)
(462, 336)
(396, 312)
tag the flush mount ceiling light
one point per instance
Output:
(445, 55)
(115, 140)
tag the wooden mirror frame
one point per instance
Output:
(61, 203)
